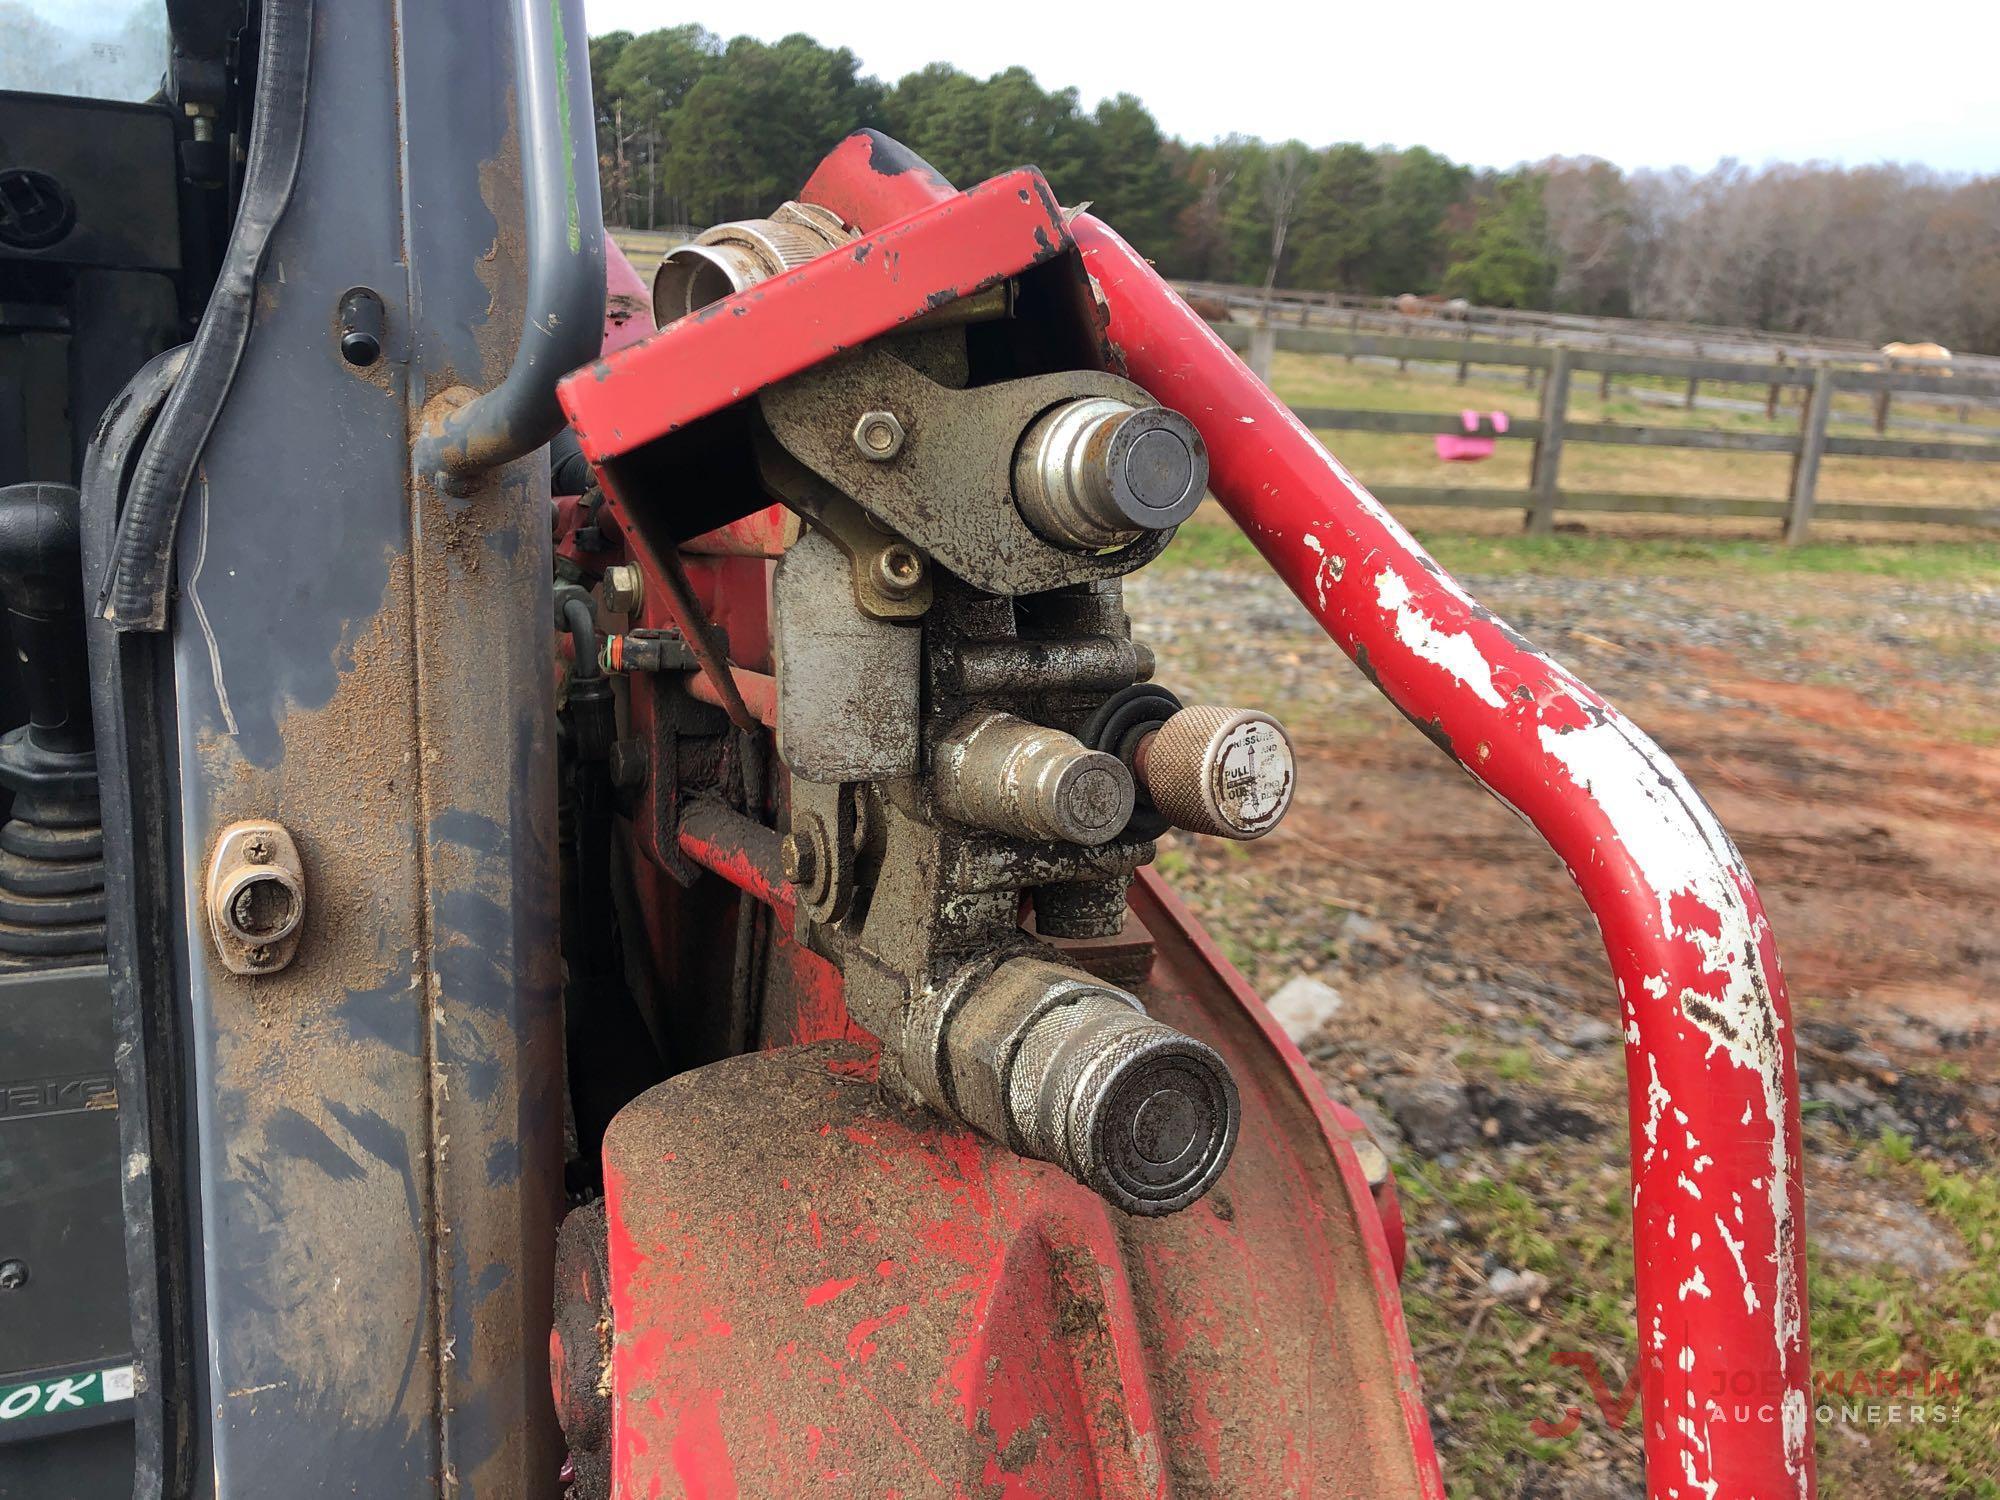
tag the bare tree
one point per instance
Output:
(1286, 172)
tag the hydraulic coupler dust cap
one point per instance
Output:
(999, 772)
(1096, 473)
(1071, 1071)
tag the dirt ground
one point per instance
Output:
(1846, 727)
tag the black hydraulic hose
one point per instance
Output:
(582, 629)
(134, 592)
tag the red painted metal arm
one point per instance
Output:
(1718, 1209)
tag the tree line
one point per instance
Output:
(694, 130)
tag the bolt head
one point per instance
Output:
(13, 1275)
(899, 570)
(257, 849)
(798, 859)
(879, 436)
(624, 588)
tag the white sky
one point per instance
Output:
(1654, 83)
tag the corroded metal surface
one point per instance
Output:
(365, 661)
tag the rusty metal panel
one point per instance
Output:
(364, 662)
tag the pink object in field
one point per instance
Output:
(1474, 444)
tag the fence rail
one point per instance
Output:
(1555, 428)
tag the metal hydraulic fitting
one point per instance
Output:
(1002, 773)
(1222, 771)
(1068, 1070)
(1097, 473)
(732, 257)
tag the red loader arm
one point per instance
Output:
(1717, 1203)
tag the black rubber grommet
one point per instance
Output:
(1116, 728)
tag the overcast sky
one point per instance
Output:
(1640, 82)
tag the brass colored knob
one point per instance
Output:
(1222, 771)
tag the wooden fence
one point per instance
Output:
(1557, 364)
(1364, 314)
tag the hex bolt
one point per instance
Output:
(879, 436)
(899, 570)
(624, 588)
(13, 1275)
(1229, 772)
(798, 860)
(996, 771)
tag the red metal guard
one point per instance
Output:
(1718, 1208)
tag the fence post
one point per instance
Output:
(1882, 411)
(1805, 468)
(1693, 382)
(1263, 344)
(1353, 327)
(1463, 363)
(1528, 371)
(1604, 379)
(1548, 447)
(1771, 400)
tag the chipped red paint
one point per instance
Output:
(816, 1289)
(734, 865)
(628, 305)
(835, 302)
(869, 179)
(931, 1314)
(1711, 1080)
(759, 690)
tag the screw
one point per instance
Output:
(624, 588)
(898, 570)
(260, 955)
(799, 860)
(257, 849)
(13, 1275)
(879, 436)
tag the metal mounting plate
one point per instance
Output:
(949, 488)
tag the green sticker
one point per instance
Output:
(66, 1393)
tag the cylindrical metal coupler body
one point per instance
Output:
(1071, 1071)
(1222, 771)
(1000, 772)
(1095, 473)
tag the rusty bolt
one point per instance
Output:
(13, 1275)
(878, 435)
(799, 859)
(624, 588)
(899, 570)
(260, 955)
(257, 849)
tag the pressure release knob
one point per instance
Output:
(1222, 771)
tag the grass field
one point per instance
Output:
(1386, 459)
